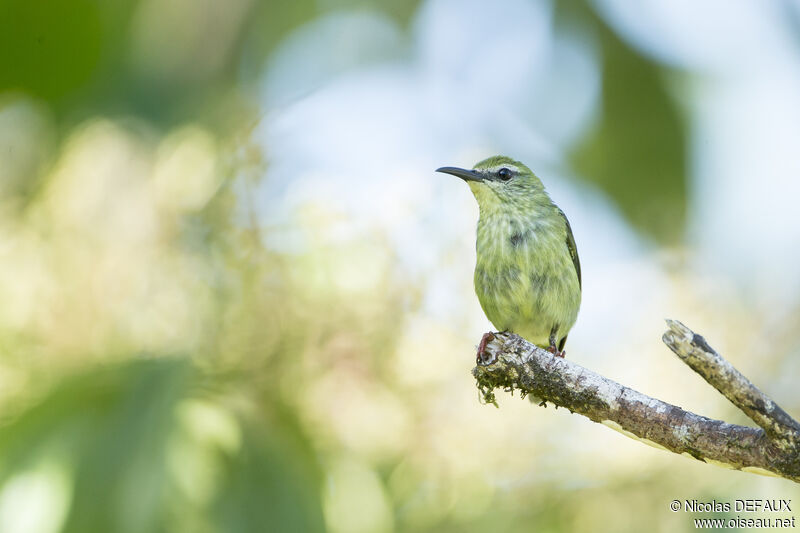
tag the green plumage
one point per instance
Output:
(527, 275)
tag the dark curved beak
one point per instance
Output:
(466, 175)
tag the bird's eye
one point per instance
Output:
(504, 174)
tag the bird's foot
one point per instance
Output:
(555, 351)
(486, 339)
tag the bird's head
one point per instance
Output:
(501, 184)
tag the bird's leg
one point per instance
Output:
(553, 349)
(486, 339)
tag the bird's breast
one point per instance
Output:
(524, 276)
(506, 236)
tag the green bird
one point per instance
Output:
(528, 275)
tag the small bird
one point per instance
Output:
(527, 275)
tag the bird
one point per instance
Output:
(527, 273)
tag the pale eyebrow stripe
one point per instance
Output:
(495, 168)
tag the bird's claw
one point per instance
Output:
(555, 351)
(482, 357)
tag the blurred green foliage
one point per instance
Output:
(138, 446)
(166, 62)
(636, 151)
(50, 50)
(101, 436)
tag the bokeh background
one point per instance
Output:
(234, 296)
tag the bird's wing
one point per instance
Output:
(573, 249)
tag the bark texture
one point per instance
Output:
(773, 448)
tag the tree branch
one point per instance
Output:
(510, 362)
(720, 374)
